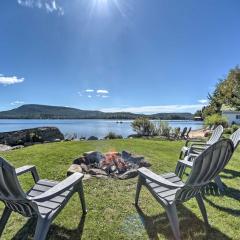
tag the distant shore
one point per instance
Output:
(199, 133)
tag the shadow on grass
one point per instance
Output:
(191, 227)
(55, 232)
(229, 174)
(213, 190)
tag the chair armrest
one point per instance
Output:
(146, 173)
(201, 144)
(61, 187)
(194, 141)
(186, 163)
(198, 147)
(28, 168)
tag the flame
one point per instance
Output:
(113, 158)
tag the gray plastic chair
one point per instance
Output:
(44, 200)
(168, 189)
(198, 145)
(188, 160)
(187, 134)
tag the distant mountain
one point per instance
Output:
(35, 111)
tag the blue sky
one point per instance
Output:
(116, 55)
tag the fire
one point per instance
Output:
(113, 160)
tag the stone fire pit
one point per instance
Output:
(122, 165)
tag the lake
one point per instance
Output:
(86, 127)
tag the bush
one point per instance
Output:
(235, 128)
(228, 131)
(176, 132)
(112, 135)
(162, 129)
(216, 119)
(143, 126)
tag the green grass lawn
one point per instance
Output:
(111, 212)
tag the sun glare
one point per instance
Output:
(107, 6)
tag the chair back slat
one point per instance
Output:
(235, 137)
(189, 130)
(206, 167)
(11, 192)
(216, 134)
(183, 132)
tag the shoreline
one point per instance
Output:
(198, 133)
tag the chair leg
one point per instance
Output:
(42, 228)
(219, 183)
(180, 169)
(5, 216)
(202, 208)
(82, 198)
(173, 219)
(138, 190)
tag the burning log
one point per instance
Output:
(121, 165)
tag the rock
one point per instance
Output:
(74, 168)
(113, 168)
(17, 147)
(79, 160)
(87, 176)
(96, 171)
(143, 163)
(101, 176)
(4, 148)
(132, 158)
(134, 136)
(32, 135)
(27, 144)
(93, 138)
(129, 174)
(84, 167)
(93, 157)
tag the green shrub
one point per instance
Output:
(235, 128)
(216, 119)
(176, 131)
(228, 130)
(143, 126)
(112, 135)
(162, 129)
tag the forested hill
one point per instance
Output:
(34, 111)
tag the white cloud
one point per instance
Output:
(10, 80)
(102, 91)
(89, 96)
(17, 102)
(105, 96)
(203, 101)
(156, 109)
(49, 5)
(89, 90)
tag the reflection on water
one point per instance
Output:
(86, 128)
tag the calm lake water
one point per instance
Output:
(86, 128)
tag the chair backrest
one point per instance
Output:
(11, 192)
(216, 134)
(183, 132)
(189, 130)
(206, 167)
(235, 137)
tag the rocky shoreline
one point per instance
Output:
(26, 137)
